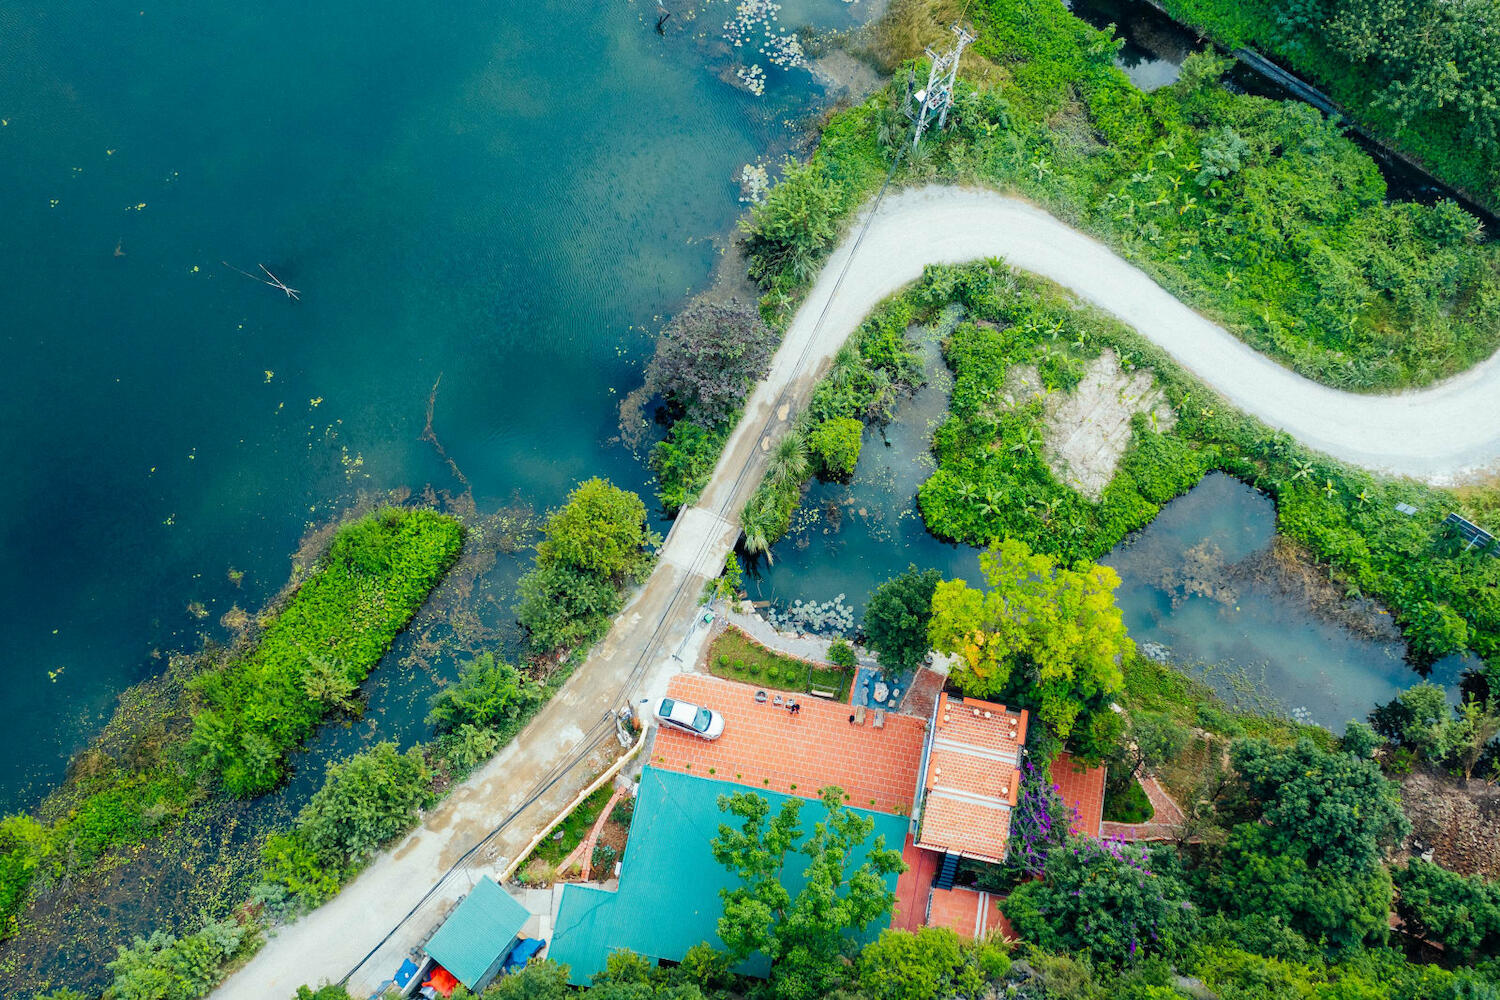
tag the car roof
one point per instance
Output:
(682, 712)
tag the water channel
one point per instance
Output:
(1200, 583)
(1152, 55)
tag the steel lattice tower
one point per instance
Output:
(934, 101)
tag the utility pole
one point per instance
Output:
(934, 101)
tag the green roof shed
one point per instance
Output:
(478, 934)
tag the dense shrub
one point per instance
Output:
(366, 800)
(897, 618)
(164, 967)
(1460, 913)
(488, 694)
(1118, 903)
(835, 445)
(594, 546)
(347, 611)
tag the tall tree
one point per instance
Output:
(808, 935)
(897, 618)
(600, 530)
(1051, 636)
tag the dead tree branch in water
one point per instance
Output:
(428, 434)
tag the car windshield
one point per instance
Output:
(700, 721)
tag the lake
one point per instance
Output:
(509, 198)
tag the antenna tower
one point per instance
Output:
(933, 102)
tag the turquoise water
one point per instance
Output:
(1192, 581)
(506, 196)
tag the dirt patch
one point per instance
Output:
(1088, 429)
(1460, 826)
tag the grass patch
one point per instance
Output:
(736, 656)
(336, 626)
(575, 827)
(1129, 805)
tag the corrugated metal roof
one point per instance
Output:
(478, 932)
(668, 898)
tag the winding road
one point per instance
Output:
(1447, 433)
(1442, 433)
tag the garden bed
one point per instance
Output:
(736, 656)
(1128, 805)
(540, 866)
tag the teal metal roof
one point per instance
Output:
(477, 932)
(668, 898)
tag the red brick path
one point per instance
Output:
(1163, 826)
(1082, 789)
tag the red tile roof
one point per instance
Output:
(765, 746)
(971, 781)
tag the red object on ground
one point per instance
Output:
(443, 981)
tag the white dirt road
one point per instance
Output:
(1446, 433)
(1440, 433)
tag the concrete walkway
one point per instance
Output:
(1446, 433)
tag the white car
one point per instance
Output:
(704, 723)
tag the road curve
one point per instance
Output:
(1446, 433)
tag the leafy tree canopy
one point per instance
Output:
(1331, 808)
(488, 693)
(366, 799)
(1118, 902)
(1462, 914)
(898, 616)
(600, 530)
(807, 935)
(1051, 635)
(933, 962)
(707, 358)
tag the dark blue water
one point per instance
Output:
(507, 196)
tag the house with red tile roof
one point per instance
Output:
(970, 780)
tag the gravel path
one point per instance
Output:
(1446, 433)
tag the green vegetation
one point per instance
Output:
(594, 547)
(735, 655)
(164, 967)
(1127, 805)
(933, 962)
(1257, 212)
(835, 445)
(897, 619)
(1461, 739)
(489, 694)
(803, 935)
(367, 800)
(871, 372)
(1460, 913)
(1042, 635)
(340, 621)
(1117, 903)
(1422, 75)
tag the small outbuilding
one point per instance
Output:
(479, 934)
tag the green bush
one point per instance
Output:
(1460, 913)
(256, 709)
(366, 800)
(489, 694)
(841, 654)
(165, 967)
(25, 845)
(834, 444)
